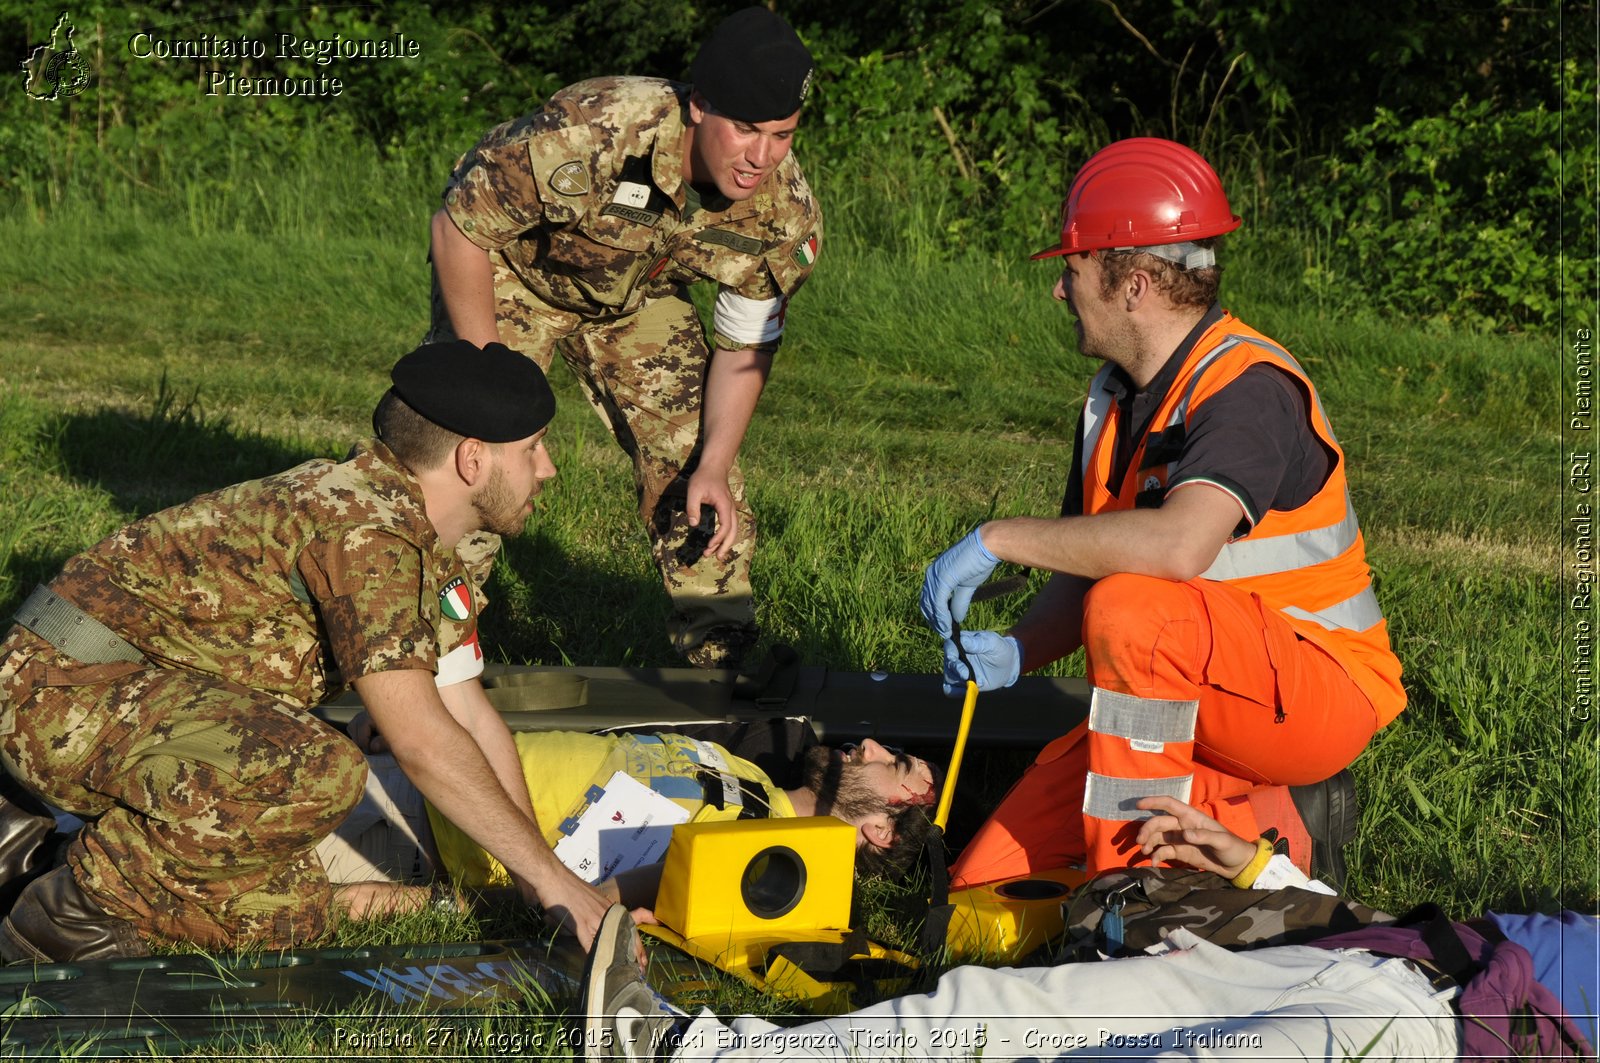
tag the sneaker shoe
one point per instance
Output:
(1330, 811)
(624, 1017)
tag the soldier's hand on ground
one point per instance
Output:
(996, 661)
(948, 585)
(710, 488)
(1183, 834)
(365, 735)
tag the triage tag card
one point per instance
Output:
(626, 825)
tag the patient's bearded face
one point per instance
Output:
(867, 779)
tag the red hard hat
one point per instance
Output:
(1140, 192)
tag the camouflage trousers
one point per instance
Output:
(204, 800)
(644, 376)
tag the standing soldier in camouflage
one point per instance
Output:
(159, 686)
(579, 228)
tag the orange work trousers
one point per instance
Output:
(1199, 690)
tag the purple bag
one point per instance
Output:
(1505, 1012)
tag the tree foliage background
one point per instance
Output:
(1433, 159)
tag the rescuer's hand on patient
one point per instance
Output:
(1182, 834)
(948, 585)
(996, 661)
(614, 890)
(572, 905)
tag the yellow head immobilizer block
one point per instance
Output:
(744, 877)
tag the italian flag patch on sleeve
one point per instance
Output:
(806, 252)
(455, 601)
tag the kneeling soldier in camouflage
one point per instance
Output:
(159, 687)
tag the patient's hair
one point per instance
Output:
(911, 824)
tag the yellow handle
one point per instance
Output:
(942, 815)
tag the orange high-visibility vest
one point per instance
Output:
(1308, 563)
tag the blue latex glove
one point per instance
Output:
(948, 585)
(996, 660)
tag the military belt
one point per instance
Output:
(73, 631)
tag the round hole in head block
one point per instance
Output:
(1032, 889)
(773, 882)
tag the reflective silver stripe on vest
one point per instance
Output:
(1180, 412)
(1095, 409)
(1105, 797)
(1356, 613)
(1283, 553)
(1141, 719)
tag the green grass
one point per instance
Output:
(158, 347)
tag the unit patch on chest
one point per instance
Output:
(570, 179)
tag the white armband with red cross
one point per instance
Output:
(749, 322)
(460, 664)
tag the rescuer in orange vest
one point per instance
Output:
(1207, 557)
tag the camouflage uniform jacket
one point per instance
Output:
(291, 585)
(586, 201)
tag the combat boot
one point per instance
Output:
(724, 646)
(54, 921)
(1331, 813)
(25, 825)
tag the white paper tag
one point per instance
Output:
(627, 826)
(731, 797)
(632, 194)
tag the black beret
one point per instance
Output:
(753, 67)
(490, 393)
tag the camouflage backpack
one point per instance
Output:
(1122, 912)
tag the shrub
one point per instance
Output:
(1460, 217)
